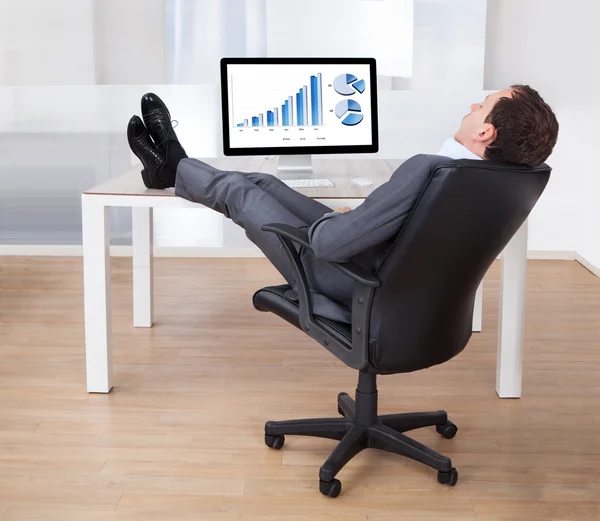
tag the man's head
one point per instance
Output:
(513, 125)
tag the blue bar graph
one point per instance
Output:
(314, 100)
(284, 114)
(304, 92)
(302, 109)
(299, 109)
(320, 96)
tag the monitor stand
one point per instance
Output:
(295, 167)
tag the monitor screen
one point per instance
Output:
(299, 105)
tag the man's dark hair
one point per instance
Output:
(526, 128)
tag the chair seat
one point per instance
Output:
(280, 301)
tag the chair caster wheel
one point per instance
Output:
(330, 488)
(448, 478)
(275, 442)
(448, 430)
(340, 412)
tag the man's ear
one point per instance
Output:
(486, 133)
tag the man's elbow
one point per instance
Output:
(327, 253)
(323, 241)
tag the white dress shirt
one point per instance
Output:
(453, 149)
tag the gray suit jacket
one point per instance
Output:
(363, 235)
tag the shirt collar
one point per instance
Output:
(453, 149)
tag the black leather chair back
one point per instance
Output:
(422, 313)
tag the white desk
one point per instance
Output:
(128, 190)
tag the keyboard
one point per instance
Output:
(308, 183)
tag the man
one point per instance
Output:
(514, 125)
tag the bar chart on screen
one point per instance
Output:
(302, 107)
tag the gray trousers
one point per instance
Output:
(252, 200)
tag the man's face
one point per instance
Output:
(474, 131)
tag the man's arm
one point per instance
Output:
(337, 237)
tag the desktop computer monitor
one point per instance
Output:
(295, 107)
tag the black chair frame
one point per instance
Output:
(360, 426)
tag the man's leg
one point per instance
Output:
(234, 195)
(245, 203)
(306, 209)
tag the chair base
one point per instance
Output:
(360, 428)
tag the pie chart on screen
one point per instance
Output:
(348, 84)
(349, 112)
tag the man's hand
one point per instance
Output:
(344, 209)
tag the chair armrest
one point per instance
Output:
(285, 230)
(353, 270)
(356, 355)
(288, 235)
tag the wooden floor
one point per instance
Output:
(181, 435)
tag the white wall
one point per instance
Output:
(383, 30)
(552, 45)
(46, 42)
(449, 44)
(200, 33)
(129, 41)
(82, 42)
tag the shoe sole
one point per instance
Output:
(172, 135)
(149, 178)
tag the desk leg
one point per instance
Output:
(478, 309)
(143, 280)
(511, 317)
(96, 289)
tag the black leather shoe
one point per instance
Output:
(157, 119)
(143, 147)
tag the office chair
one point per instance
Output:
(413, 313)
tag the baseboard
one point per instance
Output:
(44, 250)
(551, 255)
(41, 250)
(50, 250)
(588, 265)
